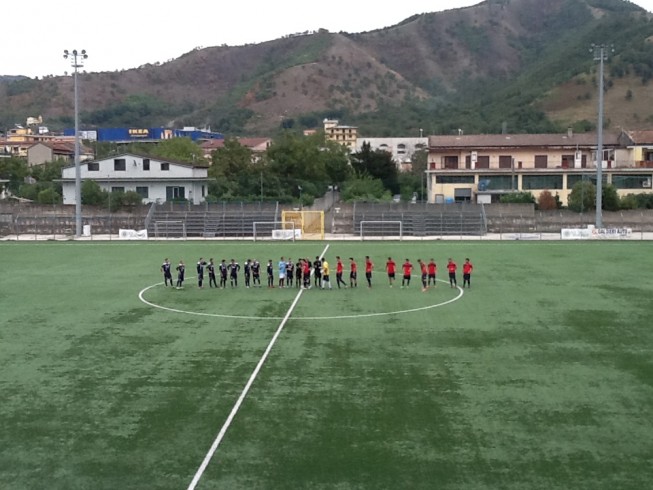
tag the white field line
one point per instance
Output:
(241, 398)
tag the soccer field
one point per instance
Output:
(539, 376)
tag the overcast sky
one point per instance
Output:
(125, 34)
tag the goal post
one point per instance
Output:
(380, 230)
(170, 229)
(309, 223)
(274, 230)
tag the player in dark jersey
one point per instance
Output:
(234, 267)
(167, 273)
(181, 270)
(256, 273)
(290, 272)
(299, 268)
(317, 272)
(211, 269)
(247, 270)
(270, 271)
(224, 269)
(200, 272)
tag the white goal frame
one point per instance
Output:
(261, 228)
(163, 228)
(381, 236)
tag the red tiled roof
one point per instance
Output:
(642, 137)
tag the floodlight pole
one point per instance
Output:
(77, 61)
(600, 55)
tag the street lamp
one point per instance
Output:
(77, 61)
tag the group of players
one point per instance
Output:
(299, 274)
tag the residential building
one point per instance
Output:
(43, 152)
(345, 135)
(481, 168)
(155, 179)
(401, 149)
(258, 146)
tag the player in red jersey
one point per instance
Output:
(369, 267)
(353, 273)
(467, 273)
(425, 273)
(307, 274)
(339, 269)
(451, 267)
(432, 271)
(407, 268)
(390, 268)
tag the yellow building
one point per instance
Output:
(482, 168)
(345, 135)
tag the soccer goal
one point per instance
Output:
(275, 230)
(381, 230)
(170, 229)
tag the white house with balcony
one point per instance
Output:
(155, 179)
(401, 149)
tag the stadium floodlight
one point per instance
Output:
(77, 61)
(600, 55)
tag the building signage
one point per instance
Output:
(139, 132)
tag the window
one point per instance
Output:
(575, 178)
(117, 189)
(174, 193)
(483, 161)
(119, 164)
(498, 182)
(401, 149)
(165, 166)
(541, 182)
(631, 181)
(450, 162)
(93, 167)
(146, 164)
(567, 161)
(143, 191)
(541, 161)
(505, 161)
(455, 179)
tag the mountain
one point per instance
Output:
(516, 65)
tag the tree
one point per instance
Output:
(378, 164)
(610, 201)
(518, 198)
(546, 201)
(92, 194)
(14, 170)
(49, 196)
(182, 149)
(233, 171)
(582, 197)
(365, 188)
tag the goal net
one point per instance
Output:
(309, 223)
(170, 229)
(381, 230)
(275, 230)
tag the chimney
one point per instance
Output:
(570, 133)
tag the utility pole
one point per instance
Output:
(77, 61)
(600, 55)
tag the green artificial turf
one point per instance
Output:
(540, 376)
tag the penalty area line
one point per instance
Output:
(223, 430)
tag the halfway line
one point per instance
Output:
(241, 398)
